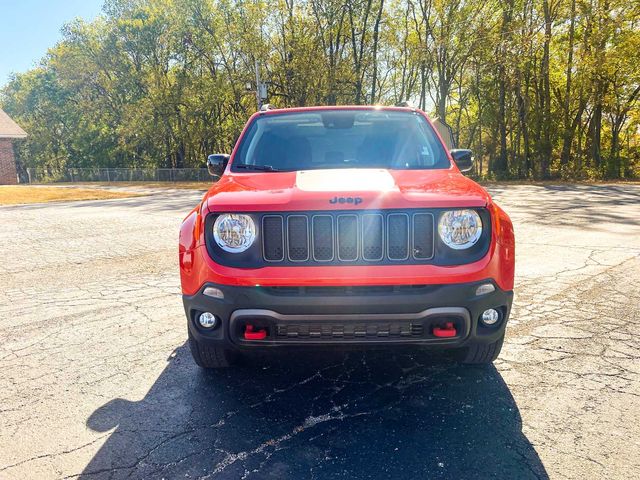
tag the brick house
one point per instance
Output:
(9, 132)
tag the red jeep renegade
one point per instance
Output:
(336, 226)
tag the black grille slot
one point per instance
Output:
(422, 235)
(398, 236)
(372, 237)
(298, 237)
(348, 237)
(273, 238)
(322, 238)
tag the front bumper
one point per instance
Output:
(367, 315)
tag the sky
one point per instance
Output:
(29, 27)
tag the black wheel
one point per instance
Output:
(206, 356)
(481, 353)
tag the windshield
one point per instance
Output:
(340, 139)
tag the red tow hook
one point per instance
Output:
(250, 333)
(449, 330)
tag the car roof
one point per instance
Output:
(336, 107)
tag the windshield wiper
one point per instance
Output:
(261, 168)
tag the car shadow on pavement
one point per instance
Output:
(376, 414)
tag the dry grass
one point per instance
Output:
(179, 185)
(21, 194)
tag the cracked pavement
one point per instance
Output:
(96, 380)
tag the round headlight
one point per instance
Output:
(234, 232)
(460, 229)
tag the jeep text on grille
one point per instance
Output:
(354, 200)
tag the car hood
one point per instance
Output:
(344, 189)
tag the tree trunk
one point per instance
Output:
(443, 90)
(524, 127)
(614, 160)
(595, 131)
(546, 148)
(423, 86)
(376, 32)
(501, 166)
(567, 137)
(595, 127)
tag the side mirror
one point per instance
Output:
(217, 163)
(463, 159)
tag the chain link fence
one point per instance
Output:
(80, 175)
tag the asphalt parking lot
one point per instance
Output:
(96, 380)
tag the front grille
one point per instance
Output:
(348, 238)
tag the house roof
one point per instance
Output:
(9, 128)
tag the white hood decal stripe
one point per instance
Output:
(345, 180)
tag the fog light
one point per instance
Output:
(484, 289)
(490, 317)
(213, 292)
(207, 320)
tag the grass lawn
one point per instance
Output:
(21, 194)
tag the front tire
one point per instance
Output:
(481, 353)
(209, 357)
